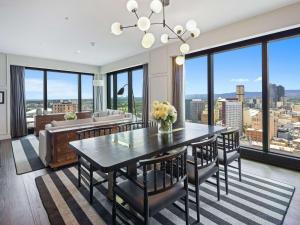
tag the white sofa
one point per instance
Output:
(103, 119)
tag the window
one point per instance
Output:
(131, 80)
(122, 99)
(34, 94)
(238, 93)
(87, 93)
(196, 108)
(62, 92)
(284, 95)
(137, 90)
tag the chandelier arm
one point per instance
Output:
(130, 26)
(135, 13)
(156, 23)
(164, 14)
(179, 37)
(150, 15)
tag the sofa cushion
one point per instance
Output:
(108, 118)
(71, 122)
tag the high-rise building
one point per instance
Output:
(197, 106)
(240, 93)
(277, 93)
(232, 113)
(188, 109)
(280, 93)
(64, 107)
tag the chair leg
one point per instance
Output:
(186, 203)
(91, 186)
(197, 203)
(114, 206)
(218, 184)
(79, 174)
(240, 169)
(226, 178)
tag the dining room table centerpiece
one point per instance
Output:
(165, 115)
(70, 116)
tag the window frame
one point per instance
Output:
(112, 76)
(264, 42)
(45, 81)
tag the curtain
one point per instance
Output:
(178, 92)
(145, 115)
(18, 122)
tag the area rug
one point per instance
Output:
(256, 200)
(26, 154)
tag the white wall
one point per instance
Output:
(159, 60)
(6, 60)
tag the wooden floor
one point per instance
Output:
(20, 203)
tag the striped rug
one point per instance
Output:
(254, 201)
(26, 154)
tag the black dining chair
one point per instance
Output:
(154, 190)
(229, 151)
(135, 125)
(85, 168)
(201, 165)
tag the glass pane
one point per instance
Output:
(62, 91)
(196, 90)
(238, 93)
(137, 88)
(284, 100)
(111, 80)
(34, 87)
(122, 101)
(87, 92)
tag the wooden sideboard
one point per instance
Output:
(41, 120)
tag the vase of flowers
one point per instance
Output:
(165, 115)
(70, 116)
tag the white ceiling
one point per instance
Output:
(39, 28)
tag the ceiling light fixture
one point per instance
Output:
(144, 24)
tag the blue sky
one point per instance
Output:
(243, 66)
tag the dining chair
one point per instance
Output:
(202, 165)
(229, 151)
(135, 125)
(153, 190)
(84, 166)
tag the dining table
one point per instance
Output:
(112, 152)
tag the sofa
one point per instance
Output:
(54, 150)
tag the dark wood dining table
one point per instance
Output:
(115, 151)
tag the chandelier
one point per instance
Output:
(144, 24)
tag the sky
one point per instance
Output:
(243, 66)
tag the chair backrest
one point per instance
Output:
(95, 132)
(205, 153)
(172, 167)
(231, 140)
(135, 125)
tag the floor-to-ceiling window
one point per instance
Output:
(238, 92)
(284, 95)
(196, 108)
(87, 92)
(62, 92)
(125, 90)
(34, 94)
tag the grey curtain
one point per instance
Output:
(145, 116)
(17, 101)
(178, 92)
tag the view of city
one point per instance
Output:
(238, 94)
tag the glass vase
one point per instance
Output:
(164, 127)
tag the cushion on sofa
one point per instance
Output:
(109, 118)
(71, 122)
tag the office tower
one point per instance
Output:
(188, 109)
(197, 106)
(240, 93)
(232, 113)
(64, 107)
(277, 93)
(280, 92)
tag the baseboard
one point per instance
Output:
(284, 161)
(5, 137)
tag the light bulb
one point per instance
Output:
(116, 28)
(156, 6)
(148, 40)
(178, 29)
(195, 33)
(184, 48)
(132, 5)
(191, 25)
(179, 60)
(143, 23)
(164, 38)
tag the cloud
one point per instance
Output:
(258, 79)
(239, 80)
